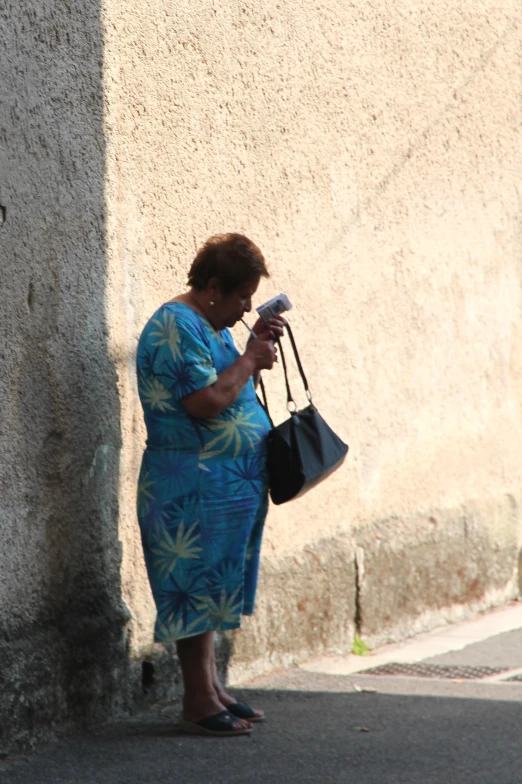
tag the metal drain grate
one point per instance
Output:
(514, 678)
(420, 670)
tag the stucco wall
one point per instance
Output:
(373, 152)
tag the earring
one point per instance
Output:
(212, 303)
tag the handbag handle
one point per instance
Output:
(263, 402)
(299, 367)
(289, 398)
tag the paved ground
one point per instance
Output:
(332, 721)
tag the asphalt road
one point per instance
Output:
(321, 728)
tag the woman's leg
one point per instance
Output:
(225, 698)
(200, 698)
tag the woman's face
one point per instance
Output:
(230, 308)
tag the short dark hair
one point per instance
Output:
(231, 258)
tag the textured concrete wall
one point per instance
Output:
(373, 152)
(62, 644)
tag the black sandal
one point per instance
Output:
(243, 711)
(218, 724)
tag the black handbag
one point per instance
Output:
(303, 450)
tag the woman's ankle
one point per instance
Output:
(199, 706)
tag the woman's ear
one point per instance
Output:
(213, 288)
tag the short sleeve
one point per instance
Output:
(179, 353)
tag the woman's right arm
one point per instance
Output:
(212, 400)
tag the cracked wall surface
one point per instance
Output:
(373, 152)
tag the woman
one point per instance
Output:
(202, 494)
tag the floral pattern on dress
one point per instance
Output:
(202, 490)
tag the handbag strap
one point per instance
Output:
(264, 402)
(289, 398)
(299, 365)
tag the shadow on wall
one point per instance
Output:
(62, 619)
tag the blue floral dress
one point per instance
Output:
(202, 491)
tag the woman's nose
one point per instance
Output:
(248, 305)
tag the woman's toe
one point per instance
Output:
(242, 724)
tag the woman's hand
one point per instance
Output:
(262, 353)
(271, 329)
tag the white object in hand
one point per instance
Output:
(274, 307)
